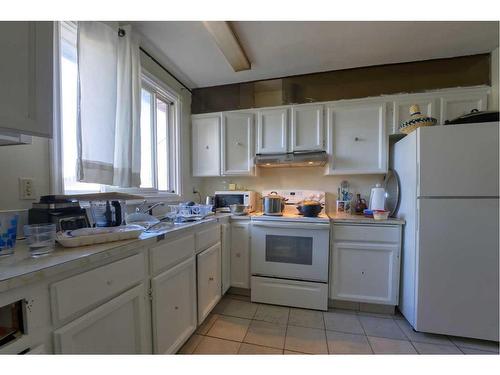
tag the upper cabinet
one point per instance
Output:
(354, 132)
(357, 142)
(26, 77)
(272, 130)
(457, 104)
(206, 144)
(443, 105)
(307, 128)
(401, 109)
(237, 142)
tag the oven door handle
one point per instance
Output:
(318, 226)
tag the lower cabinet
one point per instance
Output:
(365, 264)
(120, 326)
(209, 280)
(174, 306)
(225, 256)
(240, 255)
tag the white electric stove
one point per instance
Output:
(290, 254)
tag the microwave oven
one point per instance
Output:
(223, 199)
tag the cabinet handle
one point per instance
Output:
(356, 139)
(109, 282)
(238, 255)
(210, 279)
(176, 307)
(207, 147)
(238, 143)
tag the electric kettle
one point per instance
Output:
(377, 198)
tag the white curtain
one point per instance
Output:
(108, 131)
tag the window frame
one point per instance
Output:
(152, 83)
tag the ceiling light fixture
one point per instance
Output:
(228, 43)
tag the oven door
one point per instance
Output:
(290, 250)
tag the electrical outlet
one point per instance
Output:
(26, 188)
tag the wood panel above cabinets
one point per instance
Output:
(355, 133)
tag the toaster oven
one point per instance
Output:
(223, 199)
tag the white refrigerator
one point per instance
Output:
(449, 199)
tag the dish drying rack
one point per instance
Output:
(183, 212)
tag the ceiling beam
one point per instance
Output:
(228, 43)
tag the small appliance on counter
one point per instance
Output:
(65, 213)
(224, 199)
(106, 213)
(377, 198)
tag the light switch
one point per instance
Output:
(26, 188)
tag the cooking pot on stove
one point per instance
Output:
(273, 204)
(309, 208)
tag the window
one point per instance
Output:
(159, 129)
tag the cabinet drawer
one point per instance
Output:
(207, 237)
(371, 233)
(168, 254)
(73, 295)
(290, 292)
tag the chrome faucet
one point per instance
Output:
(143, 208)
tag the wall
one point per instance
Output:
(494, 105)
(23, 161)
(307, 178)
(410, 77)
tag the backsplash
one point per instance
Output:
(308, 178)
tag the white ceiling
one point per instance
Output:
(277, 49)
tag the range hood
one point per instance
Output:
(294, 159)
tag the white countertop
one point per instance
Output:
(20, 268)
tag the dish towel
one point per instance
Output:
(109, 87)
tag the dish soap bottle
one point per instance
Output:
(360, 205)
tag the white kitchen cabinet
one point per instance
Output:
(209, 280)
(237, 143)
(357, 141)
(401, 109)
(307, 127)
(174, 306)
(206, 144)
(26, 76)
(455, 104)
(225, 256)
(272, 130)
(119, 326)
(240, 255)
(365, 263)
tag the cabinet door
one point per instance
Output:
(402, 106)
(357, 141)
(237, 143)
(226, 256)
(174, 306)
(209, 280)
(240, 255)
(365, 272)
(26, 74)
(272, 131)
(116, 327)
(307, 127)
(206, 145)
(458, 104)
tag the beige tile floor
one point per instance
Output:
(237, 326)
